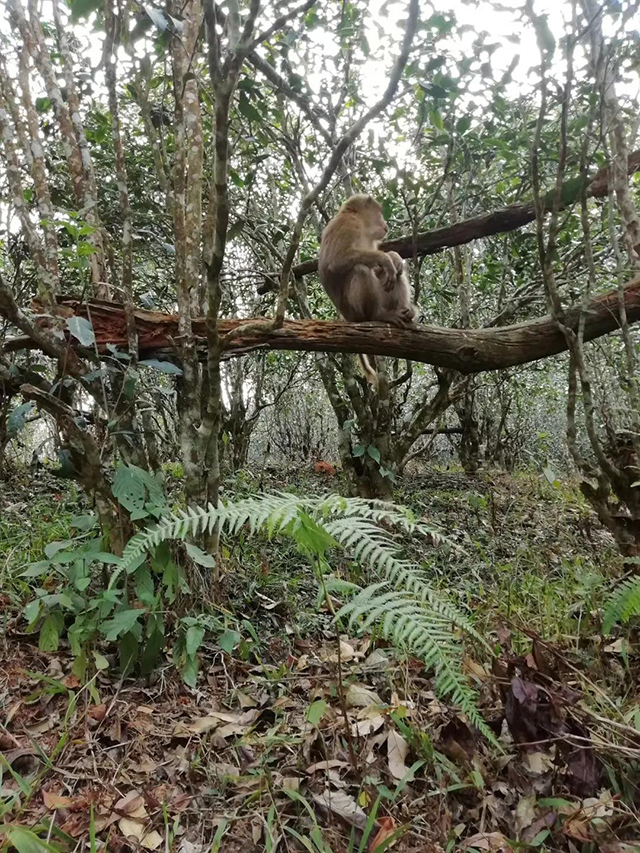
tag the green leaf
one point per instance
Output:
(358, 450)
(190, 671)
(247, 109)
(84, 522)
(100, 661)
(235, 229)
(128, 652)
(36, 570)
(18, 418)
(52, 548)
(32, 611)
(161, 366)
(26, 841)
(228, 641)
(200, 557)
(144, 584)
(153, 647)
(194, 638)
(122, 622)
(81, 329)
(463, 124)
(49, 640)
(134, 488)
(83, 8)
(374, 453)
(315, 711)
(550, 475)
(309, 536)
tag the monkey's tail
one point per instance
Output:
(371, 374)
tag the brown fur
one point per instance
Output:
(364, 283)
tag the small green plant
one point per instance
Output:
(94, 604)
(401, 602)
(624, 603)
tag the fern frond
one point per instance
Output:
(623, 604)
(409, 611)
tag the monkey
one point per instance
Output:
(364, 283)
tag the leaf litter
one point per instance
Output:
(152, 764)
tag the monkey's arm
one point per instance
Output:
(371, 258)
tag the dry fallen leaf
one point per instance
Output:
(131, 828)
(538, 762)
(39, 728)
(326, 765)
(202, 725)
(55, 801)
(387, 827)
(367, 726)
(361, 696)
(245, 700)
(347, 652)
(397, 749)
(525, 812)
(343, 805)
(97, 712)
(487, 841)
(131, 804)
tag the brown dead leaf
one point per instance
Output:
(387, 827)
(39, 728)
(367, 726)
(361, 696)
(538, 762)
(54, 801)
(202, 725)
(326, 765)
(397, 749)
(343, 805)
(525, 812)
(132, 828)
(347, 653)
(487, 841)
(577, 826)
(131, 804)
(180, 801)
(474, 668)
(245, 701)
(97, 712)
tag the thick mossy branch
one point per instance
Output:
(465, 350)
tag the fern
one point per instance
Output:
(408, 610)
(623, 604)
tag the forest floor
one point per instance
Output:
(278, 747)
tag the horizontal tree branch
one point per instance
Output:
(466, 350)
(499, 222)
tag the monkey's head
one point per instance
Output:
(370, 212)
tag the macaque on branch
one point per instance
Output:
(364, 283)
